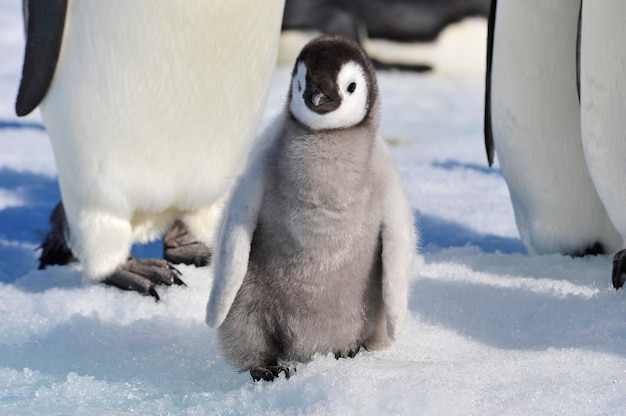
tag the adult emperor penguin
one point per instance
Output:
(603, 106)
(316, 246)
(532, 118)
(151, 108)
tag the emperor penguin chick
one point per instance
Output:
(316, 246)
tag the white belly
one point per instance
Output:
(154, 104)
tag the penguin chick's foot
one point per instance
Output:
(349, 353)
(180, 247)
(142, 275)
(269, 373)
(619, 269)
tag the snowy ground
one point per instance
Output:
(490, 330)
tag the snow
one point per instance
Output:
(490, 330)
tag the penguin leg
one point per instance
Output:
(139, 275)
(619, 269)
(191, 238)
(179, 246)
(249, 338)
(102, 242)
(248, 344)
(55, 248)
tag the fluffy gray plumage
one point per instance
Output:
(317, 244)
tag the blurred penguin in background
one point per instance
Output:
(441, 35)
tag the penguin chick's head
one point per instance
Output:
(333, 84)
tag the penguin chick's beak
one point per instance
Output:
(319, 98)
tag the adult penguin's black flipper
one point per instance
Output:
(578, 39)
(44, 21)
(487, 128)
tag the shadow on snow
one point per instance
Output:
(15, 124)
(455, 165)
(442, 233)
(23, 228)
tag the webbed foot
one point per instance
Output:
(269, 373)
(180, 247)
(142, 275)
(594, 249)
(619, 269)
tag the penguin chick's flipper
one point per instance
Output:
(179, 247)
(619, 269)
(55, 249)
(142, 275)
(44, 21)
(269, 373)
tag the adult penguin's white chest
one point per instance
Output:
(132, 110)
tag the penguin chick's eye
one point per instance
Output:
(352, 87)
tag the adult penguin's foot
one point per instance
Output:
(619, 269)
(179, 247)
(143, 275)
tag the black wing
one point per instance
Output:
(488, 132)
(580, 16)
(44, 21)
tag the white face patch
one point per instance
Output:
(353, 91)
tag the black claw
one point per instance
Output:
(619, 269)
(152, 292)
(179, 282)
(351, 353)
(125, 280)
(354, 352)
(142, 275)
(259, 374)
(155, 270)
(269, 373)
